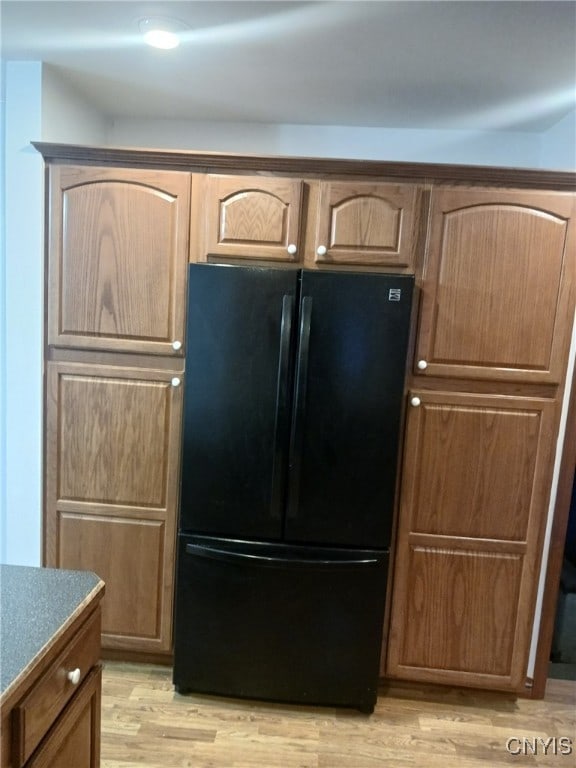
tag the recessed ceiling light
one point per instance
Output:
(162, 32)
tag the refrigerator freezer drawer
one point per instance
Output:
(281, 623)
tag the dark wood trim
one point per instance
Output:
(556, 552)
(304, 166)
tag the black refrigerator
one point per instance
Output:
(292, 410)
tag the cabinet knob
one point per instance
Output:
(422, 365)
(292, 249)
(74, 676)
(175, 381)
(176, 345)
(321, 250)
(415, 401)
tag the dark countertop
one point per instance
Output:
(35, 606)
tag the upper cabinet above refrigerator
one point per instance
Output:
(118, 253)
(367, 224)
(313, 223)
(250, 217)
(495, 301)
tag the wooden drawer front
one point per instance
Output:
(36, 713)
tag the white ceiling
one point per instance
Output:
(473, 65)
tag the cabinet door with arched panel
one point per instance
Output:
(249, 217)
(117, 262)
(497, 298)
(368, 224)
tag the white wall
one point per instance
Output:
(22, 349)
(67, 117)
(37, 106)
(513, 149)
(2, 314)
(559, 145)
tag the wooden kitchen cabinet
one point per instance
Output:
(118, 254)
(492, 251)
(117, 269)
(75, 740)
(367, 224)
(51, 673)
(112, 463)
(498, 286)
(353, 223)
(475, 487)
(249, 217)
(496, 311)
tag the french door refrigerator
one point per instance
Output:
(292, 408)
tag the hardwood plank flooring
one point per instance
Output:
(145, 723)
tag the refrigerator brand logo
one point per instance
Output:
(394, 294)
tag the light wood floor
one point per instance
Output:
(145, 723)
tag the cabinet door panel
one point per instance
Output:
(112, 439)
(128, 556)
(474, 498)
(251, 217)
(112, 466)
(118, 255)
(476, 466)
(497, 297)
(461, 610)
(364, 224)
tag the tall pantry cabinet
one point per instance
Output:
(491, 352)
(117, 261)
(493, 255)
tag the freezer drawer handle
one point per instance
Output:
(227, 556)
(282, 415)
(299, 405)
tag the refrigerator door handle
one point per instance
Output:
(229, 556)
(299, 405)
(282, 400)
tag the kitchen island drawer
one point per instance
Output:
(36, 712)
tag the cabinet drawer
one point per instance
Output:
(38, 710)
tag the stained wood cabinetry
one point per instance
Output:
(116, 267)
(475, 482)
(75, 740)
(496, 299)
(250, 217)
(111, 488)
(496, 307)
(493, 255)
(118, 253)
(51, 675)
(354, 223)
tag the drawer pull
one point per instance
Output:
(74, 676)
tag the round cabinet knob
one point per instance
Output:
(175, 381)
(74, 676)
(415, 401)
(292, 249)
(176, 345)
(321, 250)
(422, 365)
